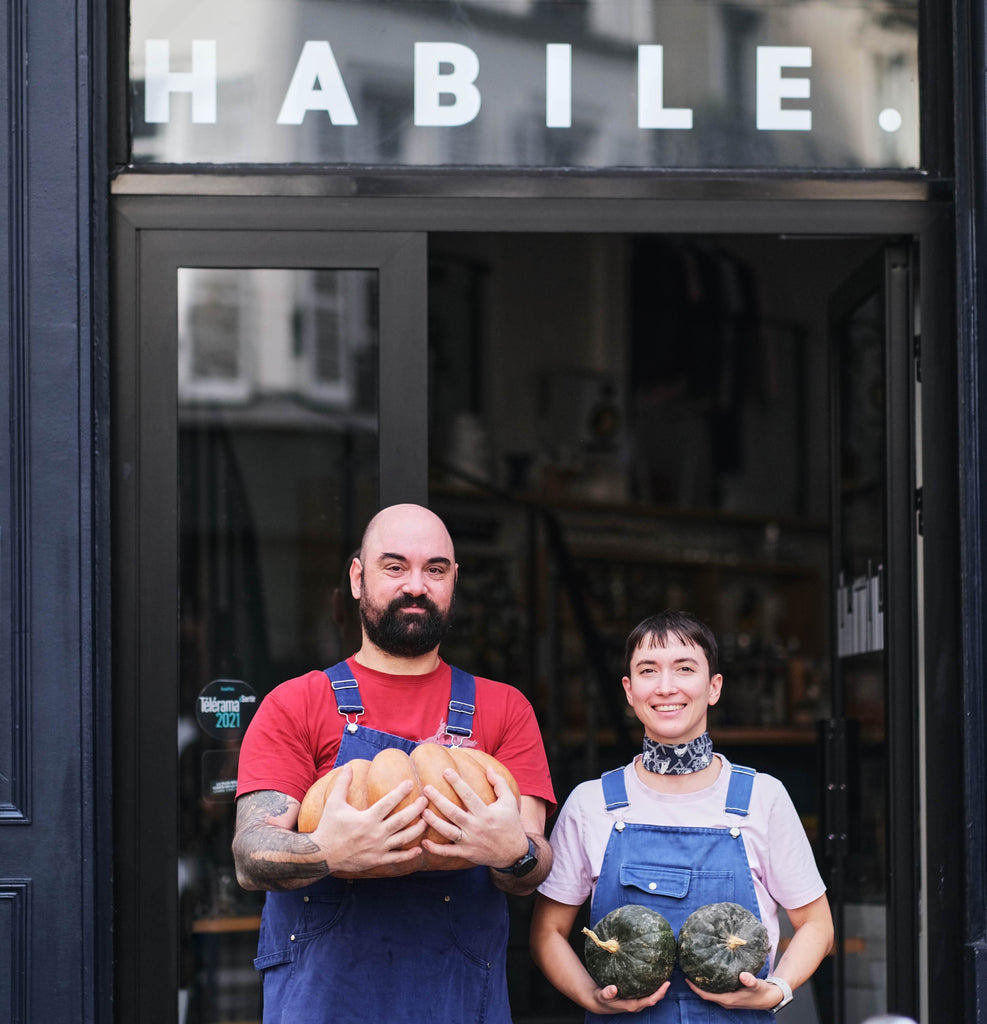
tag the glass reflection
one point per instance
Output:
(862, 676)
(527, 83)
(277, 469)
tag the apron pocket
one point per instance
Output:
(676, 884)
(320, 913)
(656, 881)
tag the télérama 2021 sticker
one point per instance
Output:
(224, 708)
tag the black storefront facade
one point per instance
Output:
(658, 304)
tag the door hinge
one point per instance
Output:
(919, 521)
(834, 741)
(917, 356)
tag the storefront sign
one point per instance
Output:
(817, 83)
(445, 88)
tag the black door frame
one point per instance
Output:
(145, 575)
(888, 275)
(384, 206)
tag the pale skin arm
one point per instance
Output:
(812, 941)
(492, 834)
(551, 926)
(270, 855)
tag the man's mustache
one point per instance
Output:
(413, 601)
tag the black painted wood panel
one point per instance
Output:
(52, 700)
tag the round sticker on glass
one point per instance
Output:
(224, 708)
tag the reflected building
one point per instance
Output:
(591, 85)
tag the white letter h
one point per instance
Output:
(160, 82)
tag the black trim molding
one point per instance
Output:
(15, 488)
(15, 975)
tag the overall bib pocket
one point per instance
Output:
(664, 885)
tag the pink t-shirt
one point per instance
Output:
(781, 860)
(294, 737)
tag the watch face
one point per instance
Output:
(527, 862)
(524, 865)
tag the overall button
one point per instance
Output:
(619, 826)
(735, 831)
(652, 886)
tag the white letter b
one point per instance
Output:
(431, 84)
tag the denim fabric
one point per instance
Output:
(675, 871)
(426, 947)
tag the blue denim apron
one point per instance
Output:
(425, 947)
(675, 871)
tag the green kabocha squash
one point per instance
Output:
(633, 948)
(719, 941)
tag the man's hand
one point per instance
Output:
(491, 834)
(495, 835)
(383, 835)
(270, 854)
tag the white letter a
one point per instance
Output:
(317, 85)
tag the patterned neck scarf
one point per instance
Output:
(680, 759)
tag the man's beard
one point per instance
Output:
(402, 635)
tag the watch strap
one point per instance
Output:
(786, 992)
(525, 863)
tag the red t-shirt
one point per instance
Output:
(294, 737)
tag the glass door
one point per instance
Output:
(869, 777)
(270, 392)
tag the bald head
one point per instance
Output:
(405, 581)
(398, 526)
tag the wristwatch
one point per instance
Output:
(524, 864)
(786, 992)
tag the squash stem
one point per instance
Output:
(611, 945)
(734, 941)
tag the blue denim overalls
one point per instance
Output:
(425, 947)
(675, 871)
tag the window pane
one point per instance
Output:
(278, 472)
(862, 649)
(527, 83)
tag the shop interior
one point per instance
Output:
(617, 424)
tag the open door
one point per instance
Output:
(869, 775)
(269, 396)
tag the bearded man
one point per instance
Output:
(425, 946)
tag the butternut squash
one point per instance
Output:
(425, 765)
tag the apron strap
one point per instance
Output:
(346, 691)
(614, 789)
(739, 791)
(462, 705)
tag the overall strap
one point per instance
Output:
(614, 789)
(739, 791)
(462, 705)
(346, 691)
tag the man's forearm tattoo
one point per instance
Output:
(269, 855)
(260, 807)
